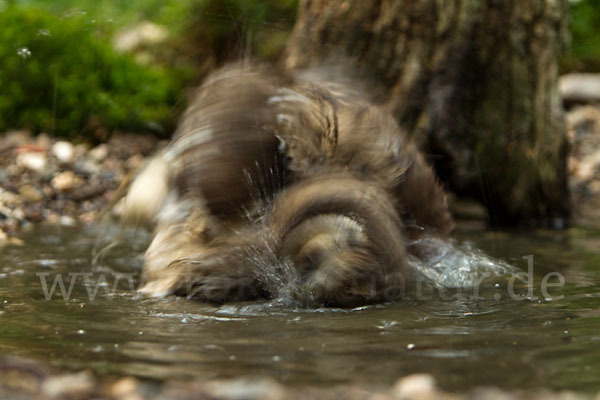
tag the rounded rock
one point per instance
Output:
(64, 182)
(34, 161)
(30, 193)
(63, 151)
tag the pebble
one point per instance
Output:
(89, 166)
(583, 123)
(246, 390)
(30, 193)
(67, 220)
(80, 385)
(80, 150)
(18, 213)
(20, 379)
(99, 153)
(64, 182)
(48, 180)
(32, 160)
(125, 389)
(9, 198)
(416, 386)
(63, 151)
(578, 87)
(44, 141)
(17, 138)
(88, 217)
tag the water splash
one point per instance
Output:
(441, 264)
(448, 264)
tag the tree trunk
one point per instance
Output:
(475, 83)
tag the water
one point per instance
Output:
(463, 341)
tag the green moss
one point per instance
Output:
(60, 75)
(584, 52)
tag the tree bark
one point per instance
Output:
(474, 82)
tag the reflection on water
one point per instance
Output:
(463, 340)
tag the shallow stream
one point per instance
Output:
(526, 339)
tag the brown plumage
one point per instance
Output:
(285, 185)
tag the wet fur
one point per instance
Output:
(285, 183)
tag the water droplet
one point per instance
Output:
(43, 33)
(410, 346)
(81, 332)
(24, 52)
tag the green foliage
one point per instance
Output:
(584, 54)
(60, 75)
(117, 13)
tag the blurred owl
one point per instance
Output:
(285, 184)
